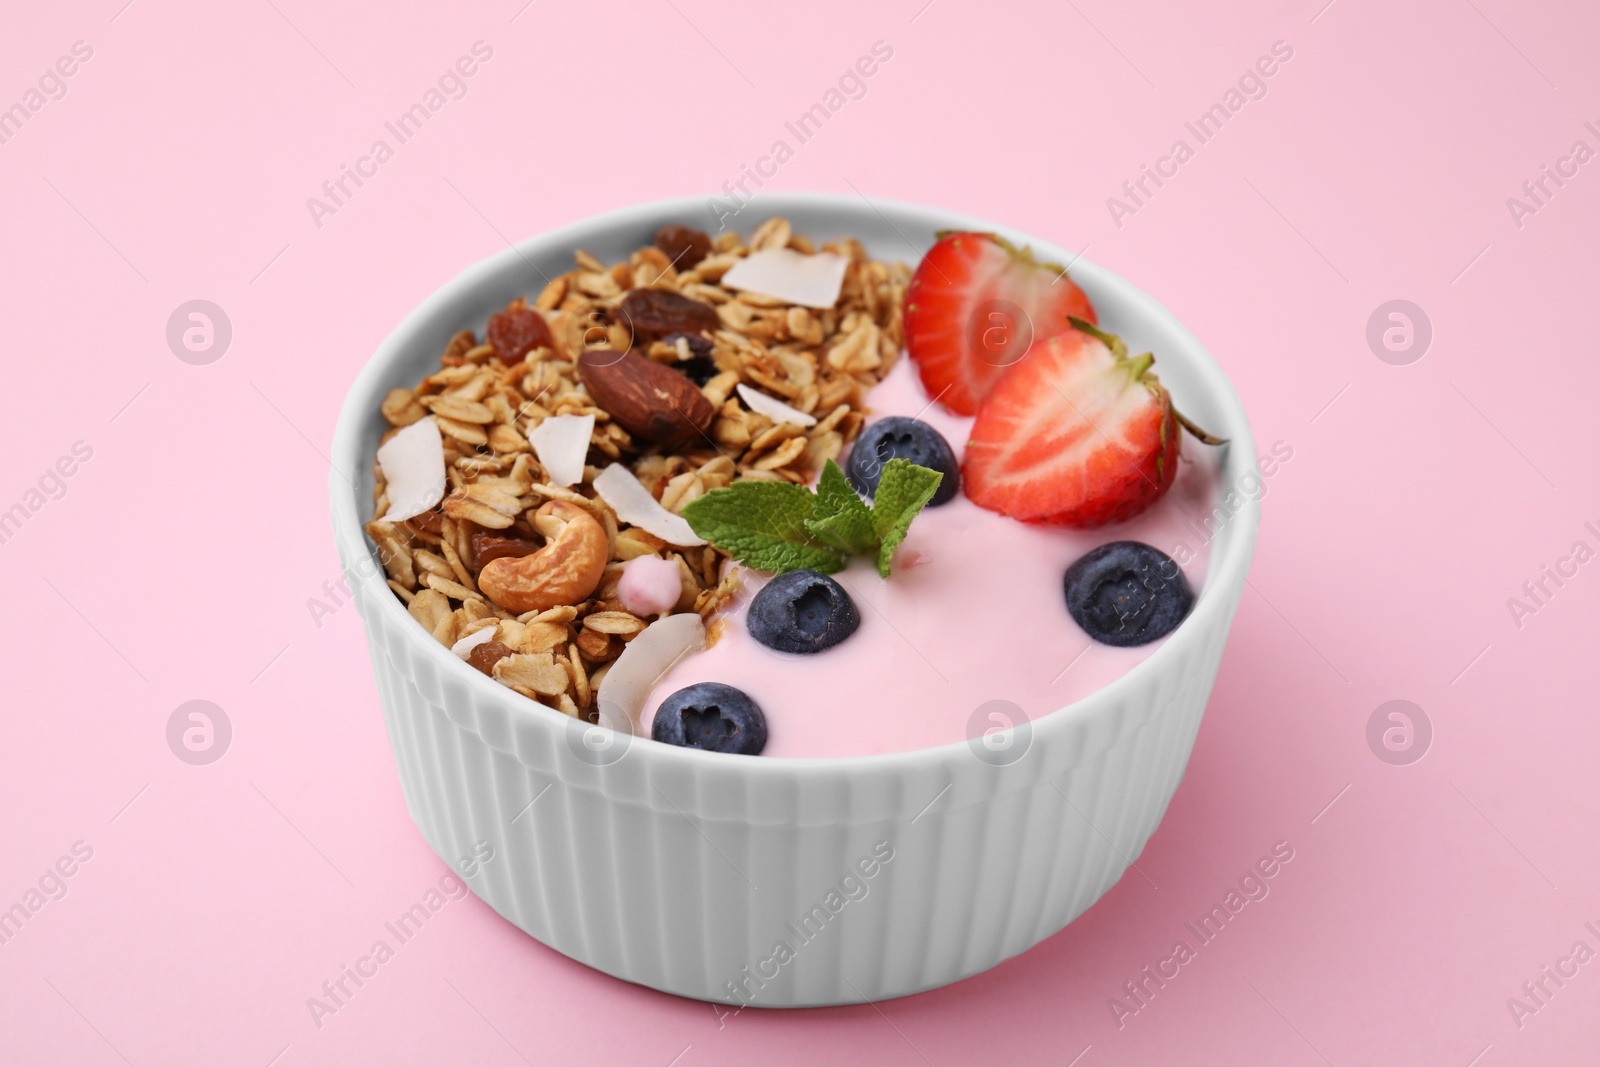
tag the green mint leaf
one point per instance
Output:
(778, 526)
(903, 490)
(842, 520)
(763, 524)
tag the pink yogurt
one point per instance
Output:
(973, 613)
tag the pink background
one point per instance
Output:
(179, 563)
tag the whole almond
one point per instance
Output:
(649, 400)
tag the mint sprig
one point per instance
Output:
(840, 519)
(899, 497)
(778, 526)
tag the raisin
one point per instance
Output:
(517, 331)
(654, 313)
(486, 655)
(486, 546)
(684, 246)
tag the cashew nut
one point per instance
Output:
(565, 571)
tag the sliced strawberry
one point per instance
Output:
(1078, 434)
(974, 308)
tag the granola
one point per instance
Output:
(502, 506)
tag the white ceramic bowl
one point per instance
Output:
(683, 870)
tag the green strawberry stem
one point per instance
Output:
(1137, 366)
(1200, 435)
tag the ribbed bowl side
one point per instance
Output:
(607, 865)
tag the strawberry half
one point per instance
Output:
(974, 308)
(1078, 434)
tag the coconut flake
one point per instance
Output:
(784, 274)
(773, 408)
(633, 504)
(413, 466)
(562, 444)
(644, 660)
(464, 647)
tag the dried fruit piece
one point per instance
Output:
(465, 645)
(653, 313)
(517, 331)
(486, 548)
(486, 655)
(646, 398)
(684, 245)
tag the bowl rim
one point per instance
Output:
(1228, 566)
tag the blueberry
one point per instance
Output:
(1127, 593)
(713, 717)
(898, 437)
(802, 611)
